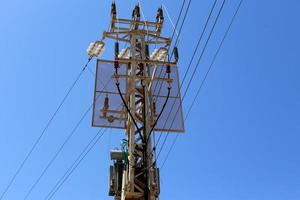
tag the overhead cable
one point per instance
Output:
(205, 77)
(45, 129)
(194, 72)
(75, 164)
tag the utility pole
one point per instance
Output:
(132, 92)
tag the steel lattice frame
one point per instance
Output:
(140, 178)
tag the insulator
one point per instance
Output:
(136, 12)
(106, 103)
(176, 53)
(154, 54)
(133, 13)
(154, 107)
(113, 9)
(163, 54)
(160, 15)
(129, 65)
(168, 70)
(147, 50)
(116, 49)
(117, 66)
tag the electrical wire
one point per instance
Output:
(58, 152)
(168, 15)
(178, 34)
(33, 186)
(45, 129)
(205, 78)
(75, 164)
(194, 72)
(184, 18)
(172, 37)
(162, 110)
(178, 19)
(128, 110)
(190, 63)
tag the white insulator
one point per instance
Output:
(162, 54)
(91, 48)
(162, 57)
(164, 50)
(154, 54)
(97, 49)
(99, 52)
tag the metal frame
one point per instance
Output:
(140, 177)
(171, 98)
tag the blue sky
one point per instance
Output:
(242, 137)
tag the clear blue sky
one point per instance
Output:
(241, 140)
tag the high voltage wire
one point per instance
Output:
(44, 130)
(190, 63)
(205, 77)
(173, 34)
(58, 152)
(75, 164)
(95, 139)
(194, 72)
(178, 18)
(172, 37)
(177, 38)
(79, 158)
(169, 88)
(181, 26)
(178, 35)
(72, 168)
(61, 148)
(176, 43)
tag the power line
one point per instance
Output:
(190, 63)
(44, 130)
(58, 152)
(75, 164)
(184, 18)
(159, 115)
(61, 147)
(170, 19)
(178, 18)
(205, 77)
(128, 110)
(178, 35)
(173, 34)
(194, 71)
